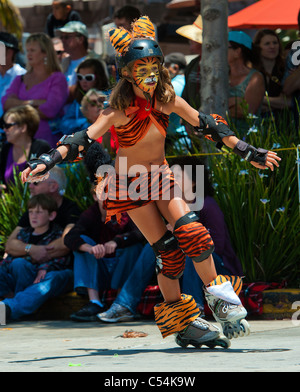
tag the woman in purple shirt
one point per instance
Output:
(43, 86)
(20, 125)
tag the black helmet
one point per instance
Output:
(138, 49)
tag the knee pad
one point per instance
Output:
(170, 259)
(193, 238)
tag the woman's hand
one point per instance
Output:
(31, 175)
(271, 160)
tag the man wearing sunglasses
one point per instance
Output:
(74, 36)
(10, 69)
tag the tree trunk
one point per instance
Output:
(214, 64)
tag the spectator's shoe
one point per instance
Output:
(116, 313)
(87, 313)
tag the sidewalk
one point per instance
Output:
(65, 346)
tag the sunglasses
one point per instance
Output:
(8, 125)
(88, 77)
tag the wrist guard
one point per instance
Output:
(250, 153)
(74, 141)
(49, 159)
(214, 128)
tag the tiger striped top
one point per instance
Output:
(141, 120)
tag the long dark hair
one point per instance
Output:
(100, 77)
(279, 61)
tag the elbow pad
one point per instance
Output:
(250, 153)
(74, 142)
(214, 128)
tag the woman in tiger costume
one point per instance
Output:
(140, 105)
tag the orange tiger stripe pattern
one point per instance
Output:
(172, 263)
(236, 281)
(124, 193)
(143, 27)
(194, 239)
(121, 38)
(129, 134)
(175, 317)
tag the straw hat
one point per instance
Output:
(192, 32)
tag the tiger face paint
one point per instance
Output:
(145, 73)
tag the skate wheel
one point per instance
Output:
(245, 328)
(180, 342)
(222, 342)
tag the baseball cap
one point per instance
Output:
(74, 27)
(9, 40)
(176, 58)
(192, 32)
(240, 38)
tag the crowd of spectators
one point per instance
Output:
(55, 246)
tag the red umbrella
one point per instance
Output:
(270, 14)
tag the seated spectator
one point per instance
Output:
(10, 70)
(74, 36)
(90, 75)
(62, 13)
(176, 134)
(22, 275)
(43, 86)
(268, 59)
(20, 125)
(92, 105)
(246, 85)
(59, 49)
(104, 253)
(67, 215)
(125, 305)
(191, 91)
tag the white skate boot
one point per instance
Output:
(227, 309)
(200, 332)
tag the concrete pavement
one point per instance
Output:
(65, 346)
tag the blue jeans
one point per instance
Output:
(133, 288)
(140, 276)
(105, 273)
(18, 277)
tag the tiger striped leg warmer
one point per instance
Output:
(226, 287)
(176, 316)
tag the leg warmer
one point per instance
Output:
(236, 282)
(170, 260)
(193, 238)
(176, 316)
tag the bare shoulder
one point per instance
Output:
(172, 106)
(112, 117)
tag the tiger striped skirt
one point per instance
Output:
(121, 193)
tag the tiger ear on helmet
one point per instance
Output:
(120, 39)
(143, 28)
